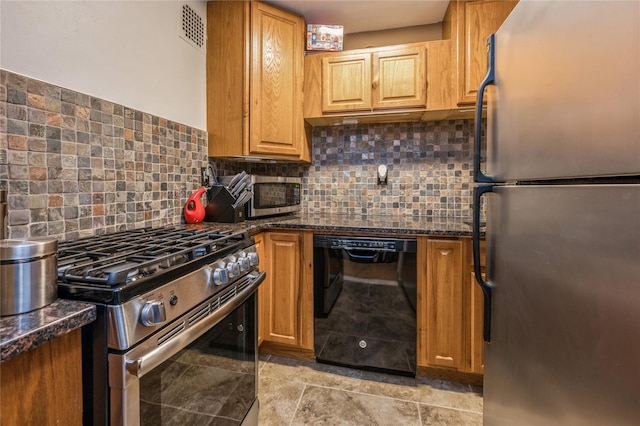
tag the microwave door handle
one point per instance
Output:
(487, 287)
(489, 79)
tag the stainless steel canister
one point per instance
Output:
(3, 215)
(28, 274)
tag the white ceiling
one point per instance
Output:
(367, 15)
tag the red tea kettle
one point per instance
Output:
(193, 208)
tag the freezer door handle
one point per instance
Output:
(478, 192)
(489, 79)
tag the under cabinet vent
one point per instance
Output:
(192, 27)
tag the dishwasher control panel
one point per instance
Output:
(365, 243)
(362, 244)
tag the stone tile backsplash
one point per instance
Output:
(429, 169)
(75, 165)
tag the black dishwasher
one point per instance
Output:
(365, 303)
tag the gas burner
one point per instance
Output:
(121, 258)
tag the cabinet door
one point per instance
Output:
(346, 82)
(476, 21)
(283, 252)
(43, 386)
(444, 304)
(477, 316)
(400, 78)
(275, 113)
(263, 290)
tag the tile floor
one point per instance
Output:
(294, 392)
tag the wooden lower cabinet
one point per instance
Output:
(43, 386)
(476, 314)
(263, 290)
(449, 311)
(286, 297)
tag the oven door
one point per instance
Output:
(201, 367)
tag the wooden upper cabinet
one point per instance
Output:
(400, 78)
(255, 55)
(373, 80)
(346, 82)
(276, 81)
(475, 21)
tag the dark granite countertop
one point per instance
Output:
(20, 333)
(372, 225)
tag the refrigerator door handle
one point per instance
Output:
(489, 79)
(478, 192)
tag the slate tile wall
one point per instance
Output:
(429, 166)
(429, 169)
(75, 165)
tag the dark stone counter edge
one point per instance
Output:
(360, 229)
(21, 333)
(455, 228)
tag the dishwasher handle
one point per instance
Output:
(363, 256)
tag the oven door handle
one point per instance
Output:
(140, 366)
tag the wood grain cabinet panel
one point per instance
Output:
(444, 303)
(450, 310)
(346, 82)
(286, 297)
(475, 21)
(400, 78)
(384, 84)
(476, 310)
(44, 385)
(255, 56)
(283, 257)
(263, 290)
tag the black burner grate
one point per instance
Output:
(123, 257)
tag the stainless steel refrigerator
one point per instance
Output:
(560, 177)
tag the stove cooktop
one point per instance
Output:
(113, 267)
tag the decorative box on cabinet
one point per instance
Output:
(254, 82)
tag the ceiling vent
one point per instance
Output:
(192, 27)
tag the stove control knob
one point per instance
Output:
(233, 269)
(253, 258)
(220, 276)
(244, 264)
(153, 313)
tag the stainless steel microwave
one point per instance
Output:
(272, 195)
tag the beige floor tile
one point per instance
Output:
(294, 392)
(323, 406)
(278, 400)
(314, 373)
(437, 416)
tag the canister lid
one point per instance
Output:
(27, 249)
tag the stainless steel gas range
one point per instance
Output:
(175, 338)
